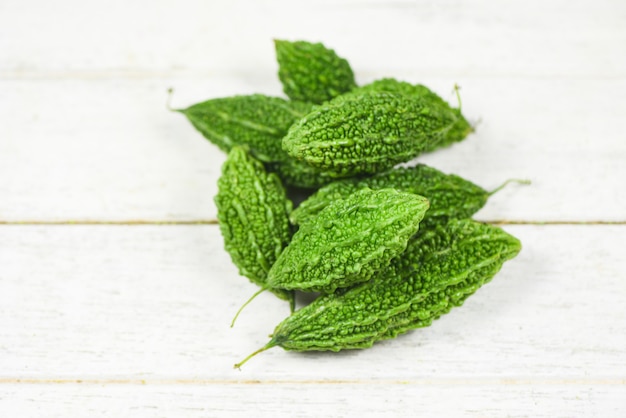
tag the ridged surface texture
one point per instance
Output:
(368, 133)
(441, 267)
(298, 173)
(311, 72)
(459, 130)
(255, 120)
(349, 242)
(450, 196)
(253, 216)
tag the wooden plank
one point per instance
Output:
(109, 149)
(526, 38)
(155, 302)
(292, 399)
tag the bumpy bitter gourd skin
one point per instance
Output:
(391, 85)
(349, 241)
(459, 130)
(298, 173)
(450, 196)
(253, 211)
(368, 133)
(439, 270)
(257, 121)
(310, 72)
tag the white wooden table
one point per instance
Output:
(116, 293)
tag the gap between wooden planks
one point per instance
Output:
(421, 382)
(138, 222)
(132, 74)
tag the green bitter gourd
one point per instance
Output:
(441, 267)
(253, 215)
(450, 196)
(349, 241)
(310, 72)
(368, 133)
(257, 121)
(459, 130)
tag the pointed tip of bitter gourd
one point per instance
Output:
(280, 42)
(168, 104)
(272, 343)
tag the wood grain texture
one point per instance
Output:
(134, 320)
(155, 302)
(424, 399)
(532, 38)
(110, 150)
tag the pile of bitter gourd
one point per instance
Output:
(388, 248)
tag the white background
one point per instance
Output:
(116, 294)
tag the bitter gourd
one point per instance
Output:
(349, 241)
(450, 196)
(252, 211)
(368, 133)
(298, 173)
(459, 130)
(310, 72)
(257, 121)
(441, 267)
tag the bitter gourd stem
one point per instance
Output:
(292, 302)
(263, 289)
(503, 185)
(272, 343)
(168, 103)
(458, 95)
